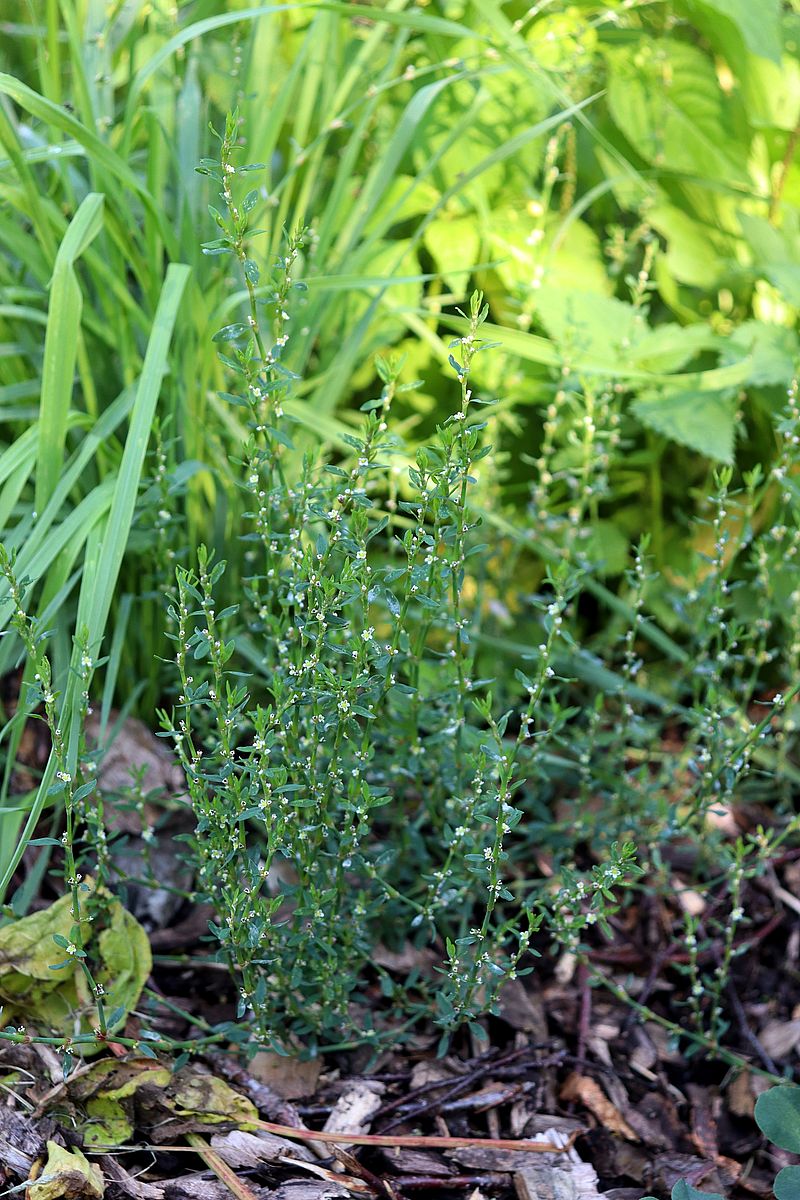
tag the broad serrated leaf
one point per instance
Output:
(757, 21)
(703, 421)
(596, 328)
(667, 101)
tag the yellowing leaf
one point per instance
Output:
(569, 252)
(27, 949)
(67, 1173)
(563, 40)
(208, 1099)
(454, 245)
(33, 993)
(107, 1096)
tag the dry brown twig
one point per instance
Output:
(221, 1169)
(414, 1141)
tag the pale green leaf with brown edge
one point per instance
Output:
(107, 1095)
(192, 1101)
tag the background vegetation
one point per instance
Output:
(618, 180)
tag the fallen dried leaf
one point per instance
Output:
(353, 1111)
(523, 1010)
(740, 1095)
(780, 1038)
(432, 1070)
(246, 1151)
(107, 1095)
(33, 992)
(644, 1055)
(704, 1127)
(581, 1088)
(193, 1102)
(700, 1173)
(67, 1174)
(291, 1078)
(655, 1119)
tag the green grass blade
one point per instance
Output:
(96, 593)
(98, 151)
(106, 548)
(61, 345)
(197, 30)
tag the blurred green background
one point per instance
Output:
(619, 178)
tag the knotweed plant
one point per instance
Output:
(360, 777)
(351, 778)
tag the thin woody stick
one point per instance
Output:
(412, 1141)
(220, 1168)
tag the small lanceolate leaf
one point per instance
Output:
(777, 1114)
